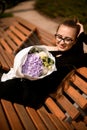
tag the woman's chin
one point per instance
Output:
(62, 49)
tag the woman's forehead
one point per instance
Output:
(66, 30)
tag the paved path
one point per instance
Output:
(26, 10)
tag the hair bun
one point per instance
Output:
(76, 20)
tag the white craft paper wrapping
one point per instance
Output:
(19, 67)
(16, 71)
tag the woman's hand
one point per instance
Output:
(81, 27)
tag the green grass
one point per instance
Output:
(64, 9)
(4, 15)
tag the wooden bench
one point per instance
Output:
(20, 32)
(59, 114)
(73, 101)
(18, 35)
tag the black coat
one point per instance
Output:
(34, 93)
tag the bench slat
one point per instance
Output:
(11, 115)
(10, 43)
(3, 122)
(18, 33)
(79, 125)
(2, 62)
(22, 29)
(7, 57)
(27, 24)
(81, 84)
(5, 45)
(36, 119)
(55, 120)
(83, 71)
(54, 108)
(66, 104)
(58, 123)
(10, 57)
(46, 119)
(85, 119)
(68, 125)
(77, 97)
(46, 38)
(14, 38)
(25, 119)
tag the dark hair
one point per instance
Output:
(70, 23)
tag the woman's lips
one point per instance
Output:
(62, 46)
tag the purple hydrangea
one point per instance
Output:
(33, 66)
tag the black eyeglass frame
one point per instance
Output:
(66, 40)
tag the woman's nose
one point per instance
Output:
(62, 41)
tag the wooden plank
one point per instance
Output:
(3, 64)
(34, 40)
(46, 37)
(18, 33)
(55, 120)
(26, 23)
(68, 106)
(46, 119)
(36, 119)
(79, 125)
(81, 84)
(45, 34)
(68, 125)
(11, 43)
(10, 57)
(7, 58)
(11, 115)
(3, 122)
(14, 38)
(61, 125)
(24, 117)
(83, 71)
(1, 32)
(22, 29)
(58, 123)
(53, 107)
(76, 96)
(8, 40)
(85, 119)
(45, 42)
(5, 45)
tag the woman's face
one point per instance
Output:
(65, 37)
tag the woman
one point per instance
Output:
(69, 54)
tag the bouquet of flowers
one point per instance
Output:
(33, 63)
(38, 64)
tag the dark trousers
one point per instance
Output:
(32, 93)
(23, 91)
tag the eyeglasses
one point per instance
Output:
(66, 40)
